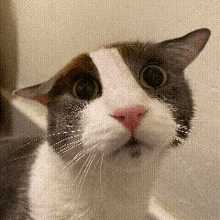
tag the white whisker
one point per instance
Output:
(79, 173)
(85, 173)
(66, 138)
(77, 157)
(82, 167)
(69, 146)
(100, 170)
(20, 158)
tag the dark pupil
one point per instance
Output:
(85, 89)
(153, 77)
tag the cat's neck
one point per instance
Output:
(103, 191)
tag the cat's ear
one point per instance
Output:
(182, 51)
(60, 83)
(39, 92)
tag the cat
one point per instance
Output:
(112, 116)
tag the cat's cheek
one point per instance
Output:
(104, 141)
(158, 128)
(156, 137)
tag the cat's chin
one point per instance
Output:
(130, 156)
(134, 155)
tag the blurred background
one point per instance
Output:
(38, 37)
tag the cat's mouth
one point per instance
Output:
(133, 145)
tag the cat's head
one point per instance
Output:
(124, 100)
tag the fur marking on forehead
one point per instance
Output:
(111, 67)
(120, 89)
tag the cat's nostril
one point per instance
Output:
(120, 118)
(141, 114)
(130, 117)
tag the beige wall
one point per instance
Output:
(49, 33)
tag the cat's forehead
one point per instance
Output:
(117, 56)
(110, 64)
(109, 60)
(114, 61)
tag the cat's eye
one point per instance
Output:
(153, 76)
(86, 89)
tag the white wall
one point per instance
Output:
(50, 33)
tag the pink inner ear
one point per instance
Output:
(43, 99)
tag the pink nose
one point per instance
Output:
(130, 117)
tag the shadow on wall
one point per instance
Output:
(8, 61)
(8, 46)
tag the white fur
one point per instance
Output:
(50, 190)
(108, 193)
(115, 186)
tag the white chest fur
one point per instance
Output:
(49, 186)
(118, 195)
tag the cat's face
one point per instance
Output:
(126, 101)
(125, 121)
